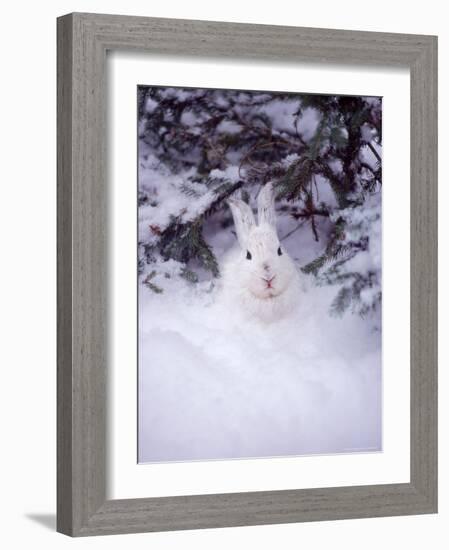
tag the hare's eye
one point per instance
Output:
(248, 255)
(279, 251)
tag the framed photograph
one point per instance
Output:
(247, 292)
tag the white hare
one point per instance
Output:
(259, 275)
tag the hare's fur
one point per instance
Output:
(258, 275)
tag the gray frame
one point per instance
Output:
(83, 40)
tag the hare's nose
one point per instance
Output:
(266, 267)
(269, 281)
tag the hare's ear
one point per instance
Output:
(265, 206)
(243, 219)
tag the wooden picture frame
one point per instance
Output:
(83, 40)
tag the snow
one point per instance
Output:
(366, 155)
(367, 133)
(365, 221)
(281, 113)
(308, 123)
(166, 189)
(228, 127)
(336, 166)
(189, 118)
(213, 386)
(290, 159)
(150, 105)
(231, 173)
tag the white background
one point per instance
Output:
(27, 283)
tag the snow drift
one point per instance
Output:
(213, 386)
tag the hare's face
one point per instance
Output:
(266, 268)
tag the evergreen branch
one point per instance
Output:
(256, 147)
(216, 203)
(148, 282)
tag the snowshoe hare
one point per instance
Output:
(259, 275)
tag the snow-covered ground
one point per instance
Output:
(214, 386)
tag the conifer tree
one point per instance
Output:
(211, 144)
